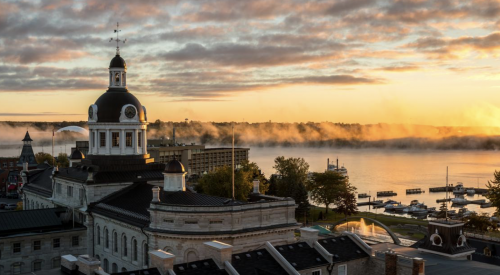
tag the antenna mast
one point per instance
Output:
(232, 158)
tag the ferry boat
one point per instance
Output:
(332, 167)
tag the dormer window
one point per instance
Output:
(436, 240)
(461, 241)
(487, 252)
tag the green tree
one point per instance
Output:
(479, 222)
(325, 188)
(290, 182)
(219, 182)
(41, 157)
(62, 160)
(494, 191)
(346, 201)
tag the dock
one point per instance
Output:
(414, 191)
(386, 194)
(479, 191)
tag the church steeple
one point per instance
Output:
(27, 154)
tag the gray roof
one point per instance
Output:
(22, 221)
(39, 181)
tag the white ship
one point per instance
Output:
(332, 167)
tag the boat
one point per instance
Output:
(459, 189)
(392, 206)
(400, 207)
(386, 194)
(414, 202)
(459, 201)
(471, 192)
(486, 205)
(332, 167)
(363, 196)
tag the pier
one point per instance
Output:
(479, 191)
(414, 191)
(386, 194)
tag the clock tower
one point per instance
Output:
(117, 120)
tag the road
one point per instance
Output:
(5, 200)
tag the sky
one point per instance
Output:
(350, 61)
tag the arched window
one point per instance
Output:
(191, 256)
(145, 255)
(134, 249)
(124, 246)
(105, 265)
(98, 235)
(124, 269)
(106, 237)
(115, 241)
(114, 268)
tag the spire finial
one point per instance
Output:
(117, 39)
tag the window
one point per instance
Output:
(134, 249)
(106, 238)
(37, 266)
(216, 222)
(342, 269)
(37, 245)
(117, 79)
(80, 195)
(115, 138)
(58, 188)
(139, 139)
(190, 222)
(70, 191)
(124, 244)
(145, 253)
(106, 265)
(75, 241)
(56, 243)
(115, 242)
(102, 137)
(16, 268)
(168, 220)
(487, 252)
(128, 139)
(56, 262)
(316, 272)
(98, 235)
(114, 268)
(16, 248)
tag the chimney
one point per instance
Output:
(68, 264)
(162, 260)
(219, 252)
(256, 184)
(88, 265)
(418, 266)
(309, 235)
(391, 263)
(156, 194)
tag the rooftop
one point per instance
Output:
(257, 262)
(301, 256)
(203, 267)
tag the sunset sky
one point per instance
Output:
(352, 61)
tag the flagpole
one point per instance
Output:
(232, 159)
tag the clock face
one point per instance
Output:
(91, 112)
(130, 112)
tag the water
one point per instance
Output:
(372, 170)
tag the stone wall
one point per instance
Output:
(35, 201)
(48, 256)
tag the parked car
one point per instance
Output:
(2, 205)
(11, 206)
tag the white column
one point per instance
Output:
(98, 143)
(122, 142)
(108, 141)
(144, 142)
(134, 143)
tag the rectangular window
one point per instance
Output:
(316, 272)
(56, 243)
(70, 191)
(216, 222)
(37, 245)
(115, 138)
(75, 241)
(168, 220)
(16, 248)
(191, 222)
(128, 139)
(139, 139)
(342, 269)
(37, 266)
(58, 188)
(103, 139)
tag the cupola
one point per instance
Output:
(174, 176)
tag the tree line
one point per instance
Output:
(292, 179)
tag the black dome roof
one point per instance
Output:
(174, 166)
(109, 105)
(118, 62)
(77, 154)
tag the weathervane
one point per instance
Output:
(117, 31)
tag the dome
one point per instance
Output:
(109, 105)
(77, 154)
(118, 62)
(174, 166)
